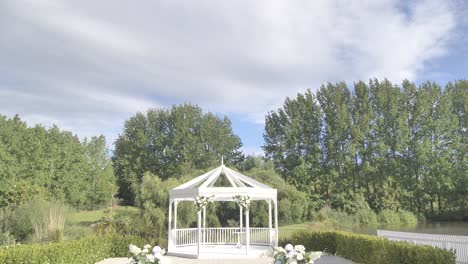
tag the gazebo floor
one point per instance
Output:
(219, 251)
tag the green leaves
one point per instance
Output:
(172, 142)
(52, 164)
(403, 147)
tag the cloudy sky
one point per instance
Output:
(89, 65)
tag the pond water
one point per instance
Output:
(447, 228)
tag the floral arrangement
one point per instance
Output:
(144, 256)
(243, 201)
(294, 255)
(201, 201)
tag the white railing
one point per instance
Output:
(185, 237)
(224, 236)
(457, 243)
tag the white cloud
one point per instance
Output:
(88, 65)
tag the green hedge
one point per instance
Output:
(366, 249)
(85, 250)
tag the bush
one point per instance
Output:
(388, 217)
(370, 249)
(366, 216)
(407, 217)
(35, 221)
(85, 250)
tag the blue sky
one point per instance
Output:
(89, 65)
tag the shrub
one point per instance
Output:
(315, 241)
(367, 249)
(366, 216)
(407, 217)
(388, 217)
(85, 250)
(37, 221)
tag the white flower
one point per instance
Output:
(156, 249)
(150, 258)
(147, 246)
(158, 255)
(299, 248)
(299, 256)
(289, 247)
(291, 254)
(134, 249)
(292, 261)
(278, 262)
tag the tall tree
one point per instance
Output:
(51, 163)
(171, 143)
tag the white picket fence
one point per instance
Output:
(224, 236)
(457, 243)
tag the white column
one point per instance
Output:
(247, 232)
(204, 225)
(276, 222)
(269, 214)
(199, 231)
(175, 214)
(240, 217)
(171, 242)
(270, 232)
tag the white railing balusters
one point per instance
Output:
(458, 243)
(226, 236)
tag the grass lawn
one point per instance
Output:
(287, 230)
(90, 217)
(80, 224)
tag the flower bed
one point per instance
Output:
(371, 249)
(86, 250)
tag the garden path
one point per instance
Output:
(263, 260)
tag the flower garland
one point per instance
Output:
(144, 256)
(202, 201)
(294, 255)
(243, 201)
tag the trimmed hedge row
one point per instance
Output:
(366, 249)
(85, 250)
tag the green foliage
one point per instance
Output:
(51, 164)
(407, 218)
(85, 250)
(35, 221)
(170, 143)
(370, 249)
(389, 217)
(397, 147)
(292, 204)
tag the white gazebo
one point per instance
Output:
(206, 242)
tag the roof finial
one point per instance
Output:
(222, 160)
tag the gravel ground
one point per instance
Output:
(263, 260)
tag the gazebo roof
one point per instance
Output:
(239, 184)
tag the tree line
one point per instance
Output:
(52, 164)
(379, 144)
(394, 146)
